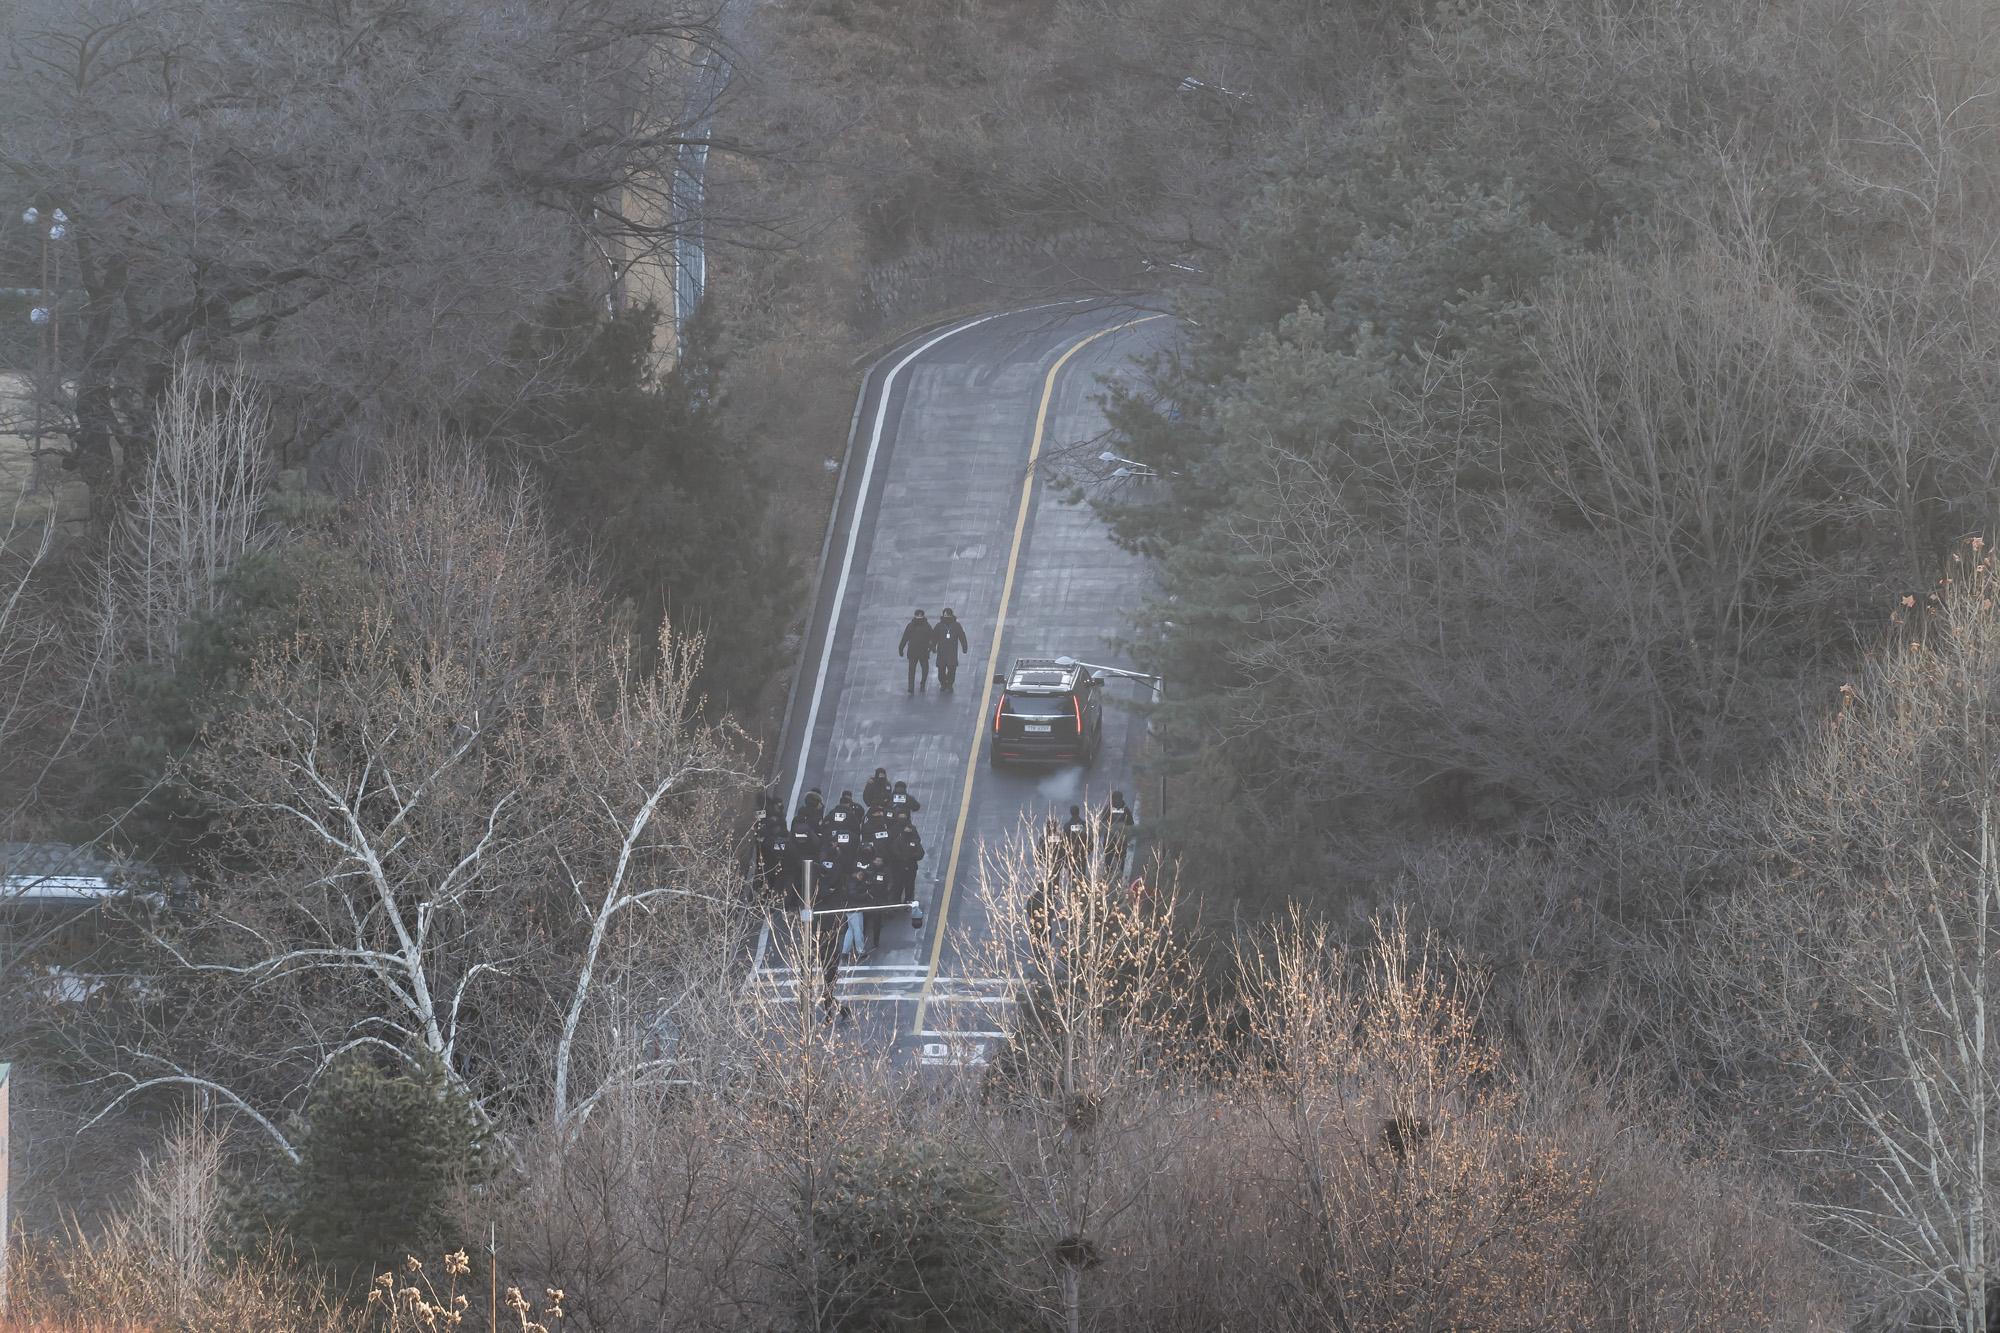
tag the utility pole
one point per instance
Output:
(4, 1233)
(492, 1277)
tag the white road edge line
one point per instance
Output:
(853, 536)
(928, 1033)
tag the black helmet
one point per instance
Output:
(902, 786)
(1118, 799)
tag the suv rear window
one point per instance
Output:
(1038, 705)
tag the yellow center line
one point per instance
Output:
(943, 913)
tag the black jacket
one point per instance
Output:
(948, 640)
(876, 834)
(916, 640)
(878, 889)
(1076, 836)
(906, 848)
(877, 792)
(842, 846)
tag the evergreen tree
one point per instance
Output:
(1366, 273)
(378, 1160)
(915, 1240)
(641, 471)
(138, 789)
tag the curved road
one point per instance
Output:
(949, 436)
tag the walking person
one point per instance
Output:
(877, 791)
(774, 852)
(901, 802)
(915, 646)
(844, 818)
(876, 832)
(827, 891)
(1115, 826)
(948, 641)
(877, 890)
(1076, 846)
(906, 848)
(854, 943)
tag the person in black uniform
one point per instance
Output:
(901, 801)
(846, 813)
(828, 926)
(878, 889)
(814, 808)
(915, 647)
(774, 850)
(760, 837)
(875, 832)
(948, 640)
(1114, 834)
(906, 848)
(842, 849)
(877, 791)
(1076, 846)
(823, 874)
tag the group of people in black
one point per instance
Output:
(1080, 851)
(842, 859)
(858, 855)
(922, 640)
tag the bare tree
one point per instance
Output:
(197, 509)
(1918, 335)
(1089, 1087)
(457, 826)
(1852, 980)
(1692, 400)
(1411, 1200)
(365, 202)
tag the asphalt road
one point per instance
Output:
(952, 512)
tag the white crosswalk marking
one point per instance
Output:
(891, 983)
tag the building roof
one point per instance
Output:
(57, 874)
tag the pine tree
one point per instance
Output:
(915, 1237)
(641, 471)
(378, 1161)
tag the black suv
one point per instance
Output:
(1051, 711)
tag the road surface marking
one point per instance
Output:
(853, 535)
(943, 914)
(953, 1056)
(928, 1033)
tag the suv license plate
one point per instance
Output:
(1036, 726)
